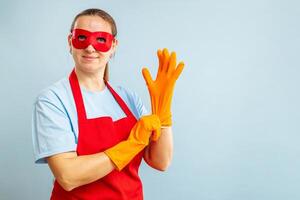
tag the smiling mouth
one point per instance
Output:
(90, 57)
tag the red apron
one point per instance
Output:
(96, 135)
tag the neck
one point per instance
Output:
(92, 81)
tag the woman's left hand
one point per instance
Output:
(161, 89)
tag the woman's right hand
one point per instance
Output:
(122, 153)
(145, 127)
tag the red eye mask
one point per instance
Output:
(101, 41)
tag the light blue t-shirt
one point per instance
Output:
(54, 117)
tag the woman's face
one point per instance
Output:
(89, 59)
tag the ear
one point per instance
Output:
(70, 40)
(114, 45)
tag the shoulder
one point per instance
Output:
(58, 88)
(54, 94)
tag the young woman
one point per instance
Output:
(93, 135)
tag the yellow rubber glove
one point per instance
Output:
(161, 90)
(122, 153)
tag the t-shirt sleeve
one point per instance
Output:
(140, 107)
(51, 128)
(135, 102)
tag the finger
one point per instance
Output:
(147, 76)
(172, 63)
(155, 122)
(178, 70)
(160, 59)
(151, 122)
(166, 56)
(156, 127)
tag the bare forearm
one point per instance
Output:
(72, 172)
(159, 153)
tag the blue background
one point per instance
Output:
(236, 106)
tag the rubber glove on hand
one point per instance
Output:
(161, 89)
(122, 153)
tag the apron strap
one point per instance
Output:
(77, 96)
(120, 101)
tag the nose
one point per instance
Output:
(90, 49)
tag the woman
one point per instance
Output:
(92, 135)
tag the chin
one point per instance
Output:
(89, 67)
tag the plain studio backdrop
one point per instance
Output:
(235, 107)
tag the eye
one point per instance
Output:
(101, 40)
(81, 37)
